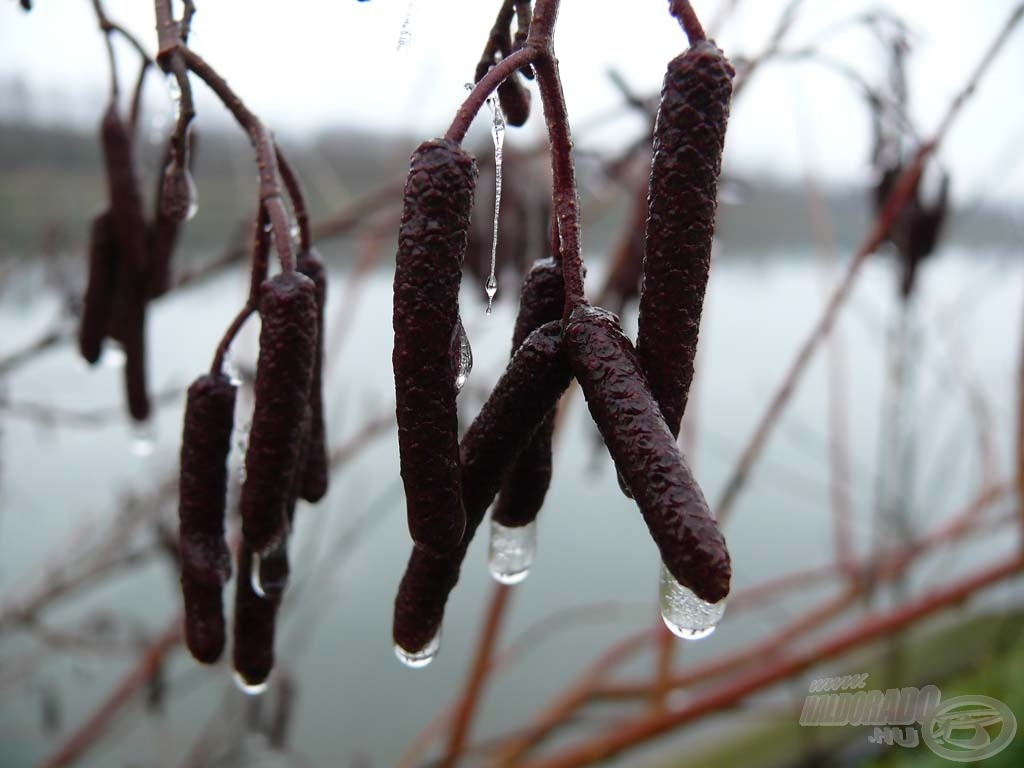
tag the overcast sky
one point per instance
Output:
(310, 64)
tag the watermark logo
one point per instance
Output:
(963, 729)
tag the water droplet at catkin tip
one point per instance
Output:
(511, 552)
(685, 614)
(247, 688)
(421, 658)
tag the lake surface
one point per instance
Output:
(354, 704)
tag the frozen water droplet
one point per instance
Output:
(113, 356)
(254, 576)
(268, 227)
(498, 137)
(421, 658)
(294, 232)
(462, 356)
(491, 289)
(248, 689)
(511, 552)
(193, 196)
(143, 439)
(405, 33)
(231, 370)
(268, 573)
(685, 614)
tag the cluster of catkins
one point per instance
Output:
(130, 257)
(635, 396)
(286, 460)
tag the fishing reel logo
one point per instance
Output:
(964, 729)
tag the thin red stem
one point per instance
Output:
(487, 642)
(688, 20)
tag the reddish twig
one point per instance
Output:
(87, 734)
(873, 627)
(476, 681)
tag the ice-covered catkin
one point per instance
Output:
(284, 374)
(540, 301)
(98, 303)
(255, 620)
(431, 248)
(205, 559)
(645, 453)
(530, 387)
(688, 141)
(314, 472)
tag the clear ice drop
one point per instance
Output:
(422, 657)
(143, 439)
(247, 688)
(462, 356)
(511, 552)
(685, 614)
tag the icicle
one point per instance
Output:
(405, 33)
(498, 136)
(511, 552)
(685, 614)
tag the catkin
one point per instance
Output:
(645, 453)
(530, 387)
(205, 560)
(431, 249)
(315, 473)
(255, 618)
(284, 374)
(98, 303)
(514, 99)
(541, 301)
(688, 141)
(127, 218)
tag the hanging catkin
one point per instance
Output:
(530, 387)
(314, 475)
(255, 621)
(128, 228)
(682, 198)
(431, 249)
(205, 560)
(645, 453)
(284, 374)
(98, 302)
(541, 301)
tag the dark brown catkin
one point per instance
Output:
(205, 559)
(284, 374)
(530, 387)
(255, 619)
(540, 301)
(129, 232)
(314, 474)
(645, 453)
(128, 221)
(98, 303)
(431, 249)
(514, 99)
(688, 141)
